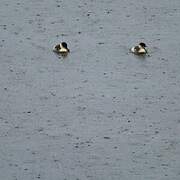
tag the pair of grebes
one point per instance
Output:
(62, 49)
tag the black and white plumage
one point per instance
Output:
(61, 48)
(139, 49)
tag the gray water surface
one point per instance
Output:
(101, 113)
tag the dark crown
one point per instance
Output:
(64, 44)
(142, 44)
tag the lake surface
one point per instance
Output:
(101, 113)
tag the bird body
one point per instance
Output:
(61, 48)
(139, 49)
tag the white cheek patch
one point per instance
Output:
(142, 50)
(63, 50)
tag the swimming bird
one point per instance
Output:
(139, 49)
(61, 48)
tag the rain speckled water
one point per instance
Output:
(101, 112)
